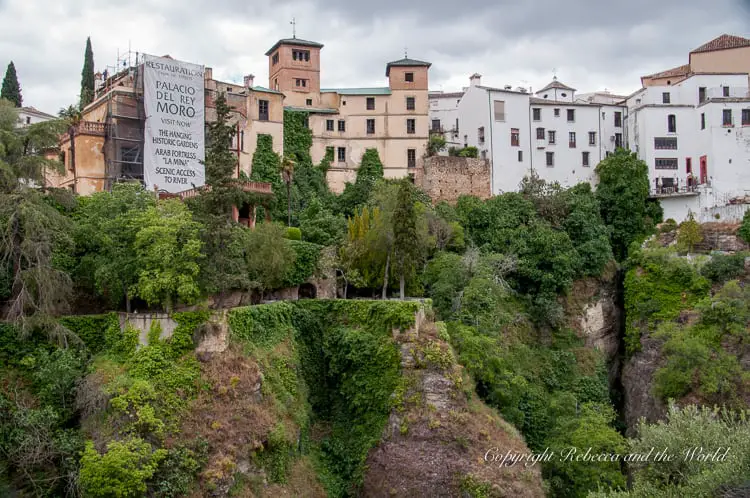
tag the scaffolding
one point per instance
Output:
(125, 122)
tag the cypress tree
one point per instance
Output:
(406, 240)
(87, 76)
(11, 89)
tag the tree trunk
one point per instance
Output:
(385, 277)
(289, 204)
(403, 285)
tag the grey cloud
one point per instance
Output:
(592, 44)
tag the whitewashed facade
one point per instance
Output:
(551, 133)
(695, 137)
(29, 115)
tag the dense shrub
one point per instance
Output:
(723, 267)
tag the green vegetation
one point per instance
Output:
(11, 90)
(87, 76)
(623, 195)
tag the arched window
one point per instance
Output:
(672, 123)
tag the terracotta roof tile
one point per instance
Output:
(556, 84)
(723, 42)
(675, 71)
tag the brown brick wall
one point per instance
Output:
(446, 178)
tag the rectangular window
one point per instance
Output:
(550, 158)
(300, 82)
(572, 140)
(342, 125)
(308, 101)
(745, 117)
(540, 133)
(701, 94)
(275, 58)
(552, 135)
(557, 113)
(411, 158)
(585, 158)
(665, 143)
(571, 115)
(370, 126)
(726, 117)
(670, 163)
(515, 137)
(329, 125)
(130, 154)
(342, 154)
(671, 123)
(520, 156)
(618, 119)
(262, 110)
(370, 103)
(301, 55)
(703, 121)
(499, 110)
(435, 125)
(618, 140)
(592, 138)
(665, 98)
(725, 91)
(480, 135)
(537, 113)
(411, 126)
(409, 77)
(410, 104)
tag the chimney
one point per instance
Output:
(208, 73)
(249, 80)
(475, 79)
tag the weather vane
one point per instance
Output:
(293, 22)
(406, 53)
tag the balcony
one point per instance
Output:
(541, 143)
(684, 191)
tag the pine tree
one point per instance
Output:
(406, 239)
(87, 76)
(11, 89)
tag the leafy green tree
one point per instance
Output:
(689, 234)
(87, 76)
(436, 144)
(687, 433)
(321, 226)
(168, 249)
(406, 240)
(34, 235)
(586, 229)
(223, 266)
(622, 192)
(269, 256)
(105, 237)
(11, 90)
(591, 428)
(360, 266)
(355, 194)
(122, 471)
(744, 231)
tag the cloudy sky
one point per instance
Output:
(592, 44)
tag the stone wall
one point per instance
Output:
(447, 178)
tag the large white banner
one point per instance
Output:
(173, 93)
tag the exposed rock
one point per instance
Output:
(213, 337)
(637, 381)
(438, 434)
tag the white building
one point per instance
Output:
(692, 127)
(29, 115)
(553, 134)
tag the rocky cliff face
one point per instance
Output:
(637, 382)
(439, 433)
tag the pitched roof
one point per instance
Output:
(406, 62)
(556, 84)
(448, 95)
(675, 71)
(557, 103)
(34, 110)
(294, 41)
(723, 42)
(359, 91)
